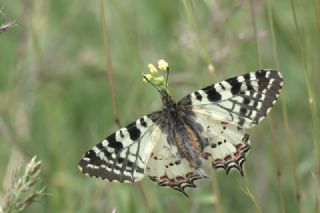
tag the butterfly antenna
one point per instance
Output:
(167, 77)
(152, 84)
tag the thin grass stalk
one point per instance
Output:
(275, 146)
(275, 150)
(289, 136)
(14, 81)
(193, 22)
(312, 101)
(312, 97)
(248, 193)
(104, 29)
(291, 153)
(12, 139)
(317, 13)
(254, 26)
(22, 45)
(317, 206)
(215, 189)
(189, 10)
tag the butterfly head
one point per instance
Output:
(157, 80)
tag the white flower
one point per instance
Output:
(147, 77)
(163, 65)
(153, 70)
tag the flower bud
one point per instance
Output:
(159, 81)
(147, 77)
(163, 65)
(153, 70)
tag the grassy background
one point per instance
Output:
(55, 100)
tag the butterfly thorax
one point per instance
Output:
(181, 132)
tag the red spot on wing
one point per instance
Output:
(239, 146)
(180, 178)
(217, 161)
(171, 181)
(228, 158)
(190, 174)
(165, 177)
(237, 155)
(224, 122)
(206, 155)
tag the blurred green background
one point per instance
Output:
(55, 99)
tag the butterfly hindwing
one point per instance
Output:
(168, 169)
(123, 155)
(244, 100)
(226, 144)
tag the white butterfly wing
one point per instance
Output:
(167, 168)
(137, 150)
(226, 144)
(225, 109)
(123, 155)
(243, 100)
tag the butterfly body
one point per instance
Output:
(181, 132)
(175, 146)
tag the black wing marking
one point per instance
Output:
(123, 155)
(226, 144)
(168, 169)
(243, 100)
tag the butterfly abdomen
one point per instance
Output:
(189, 144)
(182, 134)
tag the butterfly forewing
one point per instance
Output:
(244, 100)
(123, 155)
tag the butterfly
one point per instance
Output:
(177, 144)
